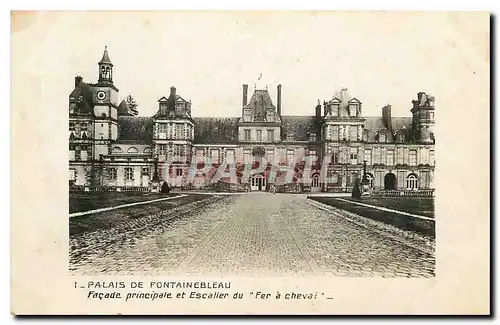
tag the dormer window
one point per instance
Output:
(247, 116)
(270, 116)
(401, 137)
(335, 109)
(353, 110)
(382, 137)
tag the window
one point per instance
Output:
(289, 156)
(162, 131)
(178, 172)
(72, 175)
(270, 116)
(312, 137)
(230, 156)
(368, 156)
(71, 126)
(381, 137)
(400, 156)
(335, 132)
(335, 110)
(145, 171)
(112, 173)
(179, 131)
(247, 135)
(335, 155)
(129, 174)
(431, 157)
(84, 127)
(413, 157)
(353, 110)
(259, 135)
(353, 133)
(161, 149)
(412, 182)
(214, 155)
(431, 115)
(270, 156)
(379, 179)
(390, 157)
(425, 180)
(246, 155)
(178, 150)
(401, 176)
(377, 155)
(247, 116)
(353, 156)
(270, 135)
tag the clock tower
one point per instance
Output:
(105, 98)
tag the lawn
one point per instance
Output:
(410, 205)
(422, 206)
(127, 215)
(80, 202)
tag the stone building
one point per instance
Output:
(111, 149)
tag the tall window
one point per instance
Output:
(424, 179)
(72, 174)
(178, 150)
(246, 155)
(400, 156)
(401, 176)
(353, 110)
(412, 182)
(381, 137)
(390, 157)
(289, 156)
(353, 156)
(214, 155)
(335, 133)
(413, 157)
(270, 116)
(162, 131)
(431, 157)
(129, 174)
(377, 155)
(270, 156)
(368, 156)
(247, 135)
(379, 179)
(335, 155)
(230, 156)
(161, 149)
(353, 133)
(259, 135)
(179, 131)
(270, 135)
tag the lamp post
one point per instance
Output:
(365, 183)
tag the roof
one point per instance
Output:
(298, 125)
(137, 128)
(105, 57)
(374, 124)
(259, 104)
(123, 109)
(216, 130)
(82, 95)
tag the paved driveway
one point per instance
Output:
(257, 234)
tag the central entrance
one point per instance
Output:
(258, 183)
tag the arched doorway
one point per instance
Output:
(412, 182)
(258, 183)
(165, 188)
(315, 184)
(390, 181)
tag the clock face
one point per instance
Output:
(101, 95)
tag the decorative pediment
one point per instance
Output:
(354, 100)
(163, 100)
(335, 100)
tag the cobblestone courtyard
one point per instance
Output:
(251, 234)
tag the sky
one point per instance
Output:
(381, 58)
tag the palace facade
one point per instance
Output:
(111, 149)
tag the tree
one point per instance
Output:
(132, 104)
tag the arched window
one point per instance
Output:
(369, 177)
(412, 182)
(315, 181)
(117, 150)
(132, 150)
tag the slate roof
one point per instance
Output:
(123, 109)
(298, 125)
(105, 57)
(136, 128)
(82, 95)
(374, 124)
(216, 130)
(259, 104)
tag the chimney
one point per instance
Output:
(78, 79)
(172, 98)
(324, 108)
(245, 95)
(279, 100)
(318, 110)
(420, 95)
(386, 117)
